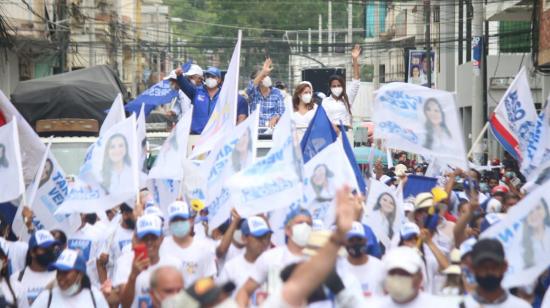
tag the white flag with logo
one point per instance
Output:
(109, 175)
(115, 115)
(525, 234)
(323, 174)
(535, 165)
(224, 116)
(141, 135)
(164, 192)
(11, 171)
(169, 162)
(275, 180)
(236, 152)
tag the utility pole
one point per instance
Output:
(427, 15)
(376, 73)
(477, 91)
(309, 40)
(91, 34)
(469, 17)
(446, 54)
(320, 35)
(350, 23)
(460, 32)
(329, 28)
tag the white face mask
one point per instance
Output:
(193, 81)
(337, 91)
(266, 82)
(306, 98)
(300, 234)
(211, 82)
(400, 288)
(72, 290)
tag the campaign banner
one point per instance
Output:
(236, 152)
(525, 234)
(514, 117)
(383, 212)
(194, 180)
(164, 192)
(169, 162)
(327, 171)
(536, 163)
(115, 115)
(418, 67)
(224, 116)
(477, 53)
(11, 171)
(31, 145)
(159, 94)
(109, 175)
(420, 120)
(275, 180)
(141, 134)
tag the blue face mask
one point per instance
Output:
(180, 228)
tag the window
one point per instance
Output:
(514, 36)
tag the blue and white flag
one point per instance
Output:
(535, 165)
(12, 184)
(224, 115)
(275, 180)
(169, 162)
(109, 175)
(116, 115)
(420, 120)
(164, 192)
(348, 149)
(319, 135)
(158, 94)
(141, 134)
(235, 153)
(323, 175)
(525, 234)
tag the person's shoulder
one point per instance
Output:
(514, 301)
(272, 253)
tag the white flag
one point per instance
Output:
(31, 145)
(224, 116)
(116, 114)
(525, 234)
(142, 147)
(169, 162)
(419, 120)
(327, 171)
(164, 192)
(274, 181)
(236, 152)
(535, 165)
(11, 171)
(109, 175)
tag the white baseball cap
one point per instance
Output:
(178, 209)
(357, 230)
(171, 75)
(404, 258)
(194, 70)
(409, 230)
(148, 224)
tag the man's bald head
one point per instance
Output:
(165, 282)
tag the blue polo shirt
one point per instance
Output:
(203, 105)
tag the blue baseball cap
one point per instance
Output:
(178, 209)
(148, 224)
(296, 212)
(213, 71)
(42, 239)
(255, 226)
(69, 259)
(357, 230)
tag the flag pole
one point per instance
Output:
(478, 139)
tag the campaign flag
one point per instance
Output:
(525, 234)
(141, 135)
(31, 145)
(236, 152)
(275, 180)
(319, 134)
(11, 171)
(164, 192)
(169, 162)
(384, 212)
(45, 194)
(109, 174)
(420, 120)
(536, 163)
(327, 171)
(351, 157)
(194, 180)
(418, 184)
(224, 115)
(514, 117)
(116, 114)
(158, 94)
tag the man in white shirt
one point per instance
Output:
(489, 265)
(257, 237)
(166, 281)
(367, 269)
(267, 267)
(197, 257)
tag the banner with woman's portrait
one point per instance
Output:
(383, 212)
(420, 120)
(525, 234)
(10, 163)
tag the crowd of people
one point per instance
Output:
(137, 255)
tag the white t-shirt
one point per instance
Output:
(370, 275)
(510, 302)
(81, 299)
(121, 238)
(89, 241)
(423, 300)
(33, 282)
(17, 252)
(236, 270)
(302, 120)
(336, 110)
(123, 267)
(546, 299)
(141, 295)
(197, 261)
(19, 292)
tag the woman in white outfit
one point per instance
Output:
(303, 107)
(338, 104)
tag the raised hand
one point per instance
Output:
(356, 52)
(268, 67)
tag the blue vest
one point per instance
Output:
(203, 107)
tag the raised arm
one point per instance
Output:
(185, 85)
(266, 70)
(223, 247)
(353, 88)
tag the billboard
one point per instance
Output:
(418, 68)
